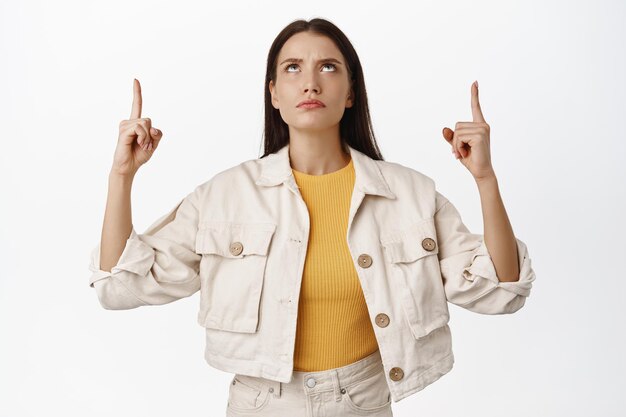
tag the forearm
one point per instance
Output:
(117, 223)
(498, 234)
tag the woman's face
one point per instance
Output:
(321, 74)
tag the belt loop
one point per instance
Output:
(277, 385)
(337, 389)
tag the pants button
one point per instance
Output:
(310, 382)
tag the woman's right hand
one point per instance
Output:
(137, 139)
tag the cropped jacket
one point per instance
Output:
(241, 237)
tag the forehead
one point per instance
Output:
(308, 45)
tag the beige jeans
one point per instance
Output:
(358, 389)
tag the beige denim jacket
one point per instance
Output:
(241, 239)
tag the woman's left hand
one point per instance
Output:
(470, 141)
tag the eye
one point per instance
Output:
(325, 65)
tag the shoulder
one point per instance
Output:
(244, 173)
(404, 178)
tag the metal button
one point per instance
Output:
(396, 374)
(428, 244)
(365, 261)
(310, 382)
(343, 390)
(236, 248)
(271, 389)
(382, 320)
(234, 382)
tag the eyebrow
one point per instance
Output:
(336, 61)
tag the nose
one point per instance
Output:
(311, 84)
(312, 88)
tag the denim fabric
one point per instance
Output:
(357, 389)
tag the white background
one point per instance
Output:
(552, 87)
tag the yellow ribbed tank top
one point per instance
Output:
(333, 328)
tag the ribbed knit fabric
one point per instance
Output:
(334, 328)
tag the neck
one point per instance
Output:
(316, 153)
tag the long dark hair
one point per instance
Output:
(355, 126)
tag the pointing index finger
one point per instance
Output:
(136, 110)
(477, 114)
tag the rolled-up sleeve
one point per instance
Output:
(156, 267)
(469, 276)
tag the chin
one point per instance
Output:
(313, 126)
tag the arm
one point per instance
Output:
(156, 267)
(468, 271)
(499, 237)
(117, 223)
(468, 268)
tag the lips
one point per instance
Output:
(311, 103)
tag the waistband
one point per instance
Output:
(320, 381)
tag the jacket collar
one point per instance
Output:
(276, 169)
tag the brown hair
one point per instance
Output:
(355, 127)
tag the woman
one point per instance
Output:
(324, 271)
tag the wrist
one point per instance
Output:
(487, 181)
(116, 178)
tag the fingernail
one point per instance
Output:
(154, 131)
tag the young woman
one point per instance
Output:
(324, 271)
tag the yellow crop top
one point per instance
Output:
(334, 328)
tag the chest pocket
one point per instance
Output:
(411, 255)
(232, 271)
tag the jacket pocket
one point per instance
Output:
(414, 265)
(232, 271)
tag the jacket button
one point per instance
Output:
(396, 374)
(382, 320)
(365, 261)
(236, 248)
(428, 244)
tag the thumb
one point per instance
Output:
(156, 137)
(448, 135)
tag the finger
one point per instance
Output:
(464, 125)
(461, 141)
(157, 135)
(466, 140)
(146, 122)
(455, 145)
(448, 134)
(136, 110)
(460, 149)
(153, 139)
(473, 130)
(477, 113)
(142, 135)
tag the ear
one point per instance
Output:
(350, 99)
(272, 88)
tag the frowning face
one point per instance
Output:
(311, 67)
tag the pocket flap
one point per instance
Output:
(216, 237)
(411, 244)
